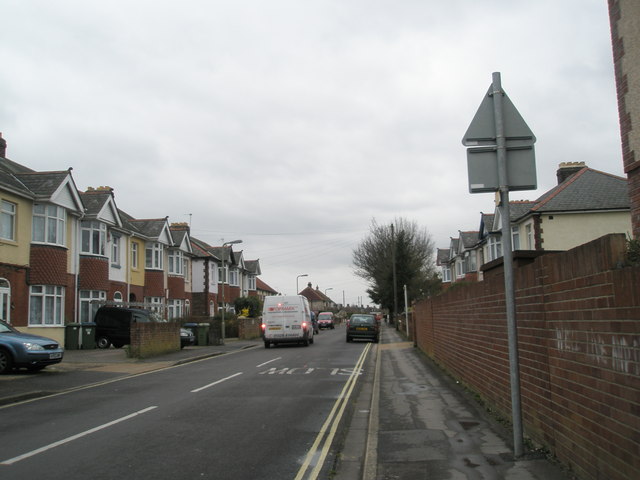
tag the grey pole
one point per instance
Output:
(507, 255)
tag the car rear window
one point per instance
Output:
(362, 320)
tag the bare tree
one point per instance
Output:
(401, 246)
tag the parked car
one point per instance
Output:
(24, 350)
(363, 327)
(325, 320)
(113, 324)
(187, 338)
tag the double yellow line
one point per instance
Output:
(330, 426)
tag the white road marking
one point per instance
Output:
(217, 382)
(13, 460)
(263, 364)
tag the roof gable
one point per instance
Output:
(100, 205)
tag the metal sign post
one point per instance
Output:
(499, 129)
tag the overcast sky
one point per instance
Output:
(292, 124)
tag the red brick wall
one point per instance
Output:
(176, 287)
(94, 273)
(153, 283)
(150, 339)
(578, 316)
(17, 278)
(48, 265)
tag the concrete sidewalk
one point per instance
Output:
(410, 421)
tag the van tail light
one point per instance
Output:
(304, 325)
(263, 327)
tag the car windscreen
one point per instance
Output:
(362, 320)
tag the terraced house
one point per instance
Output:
(584, 205)
(64, 252)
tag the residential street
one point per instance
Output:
(252, 413)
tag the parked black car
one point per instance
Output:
(113, 324)
(363, 326)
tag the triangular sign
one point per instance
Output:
(482, 130)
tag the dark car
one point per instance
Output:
(24, 350)
(325, 320)
(187, 338)
(363, 327)
(113, 324)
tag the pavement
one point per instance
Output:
(408, 420)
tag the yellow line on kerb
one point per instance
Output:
(332, 421)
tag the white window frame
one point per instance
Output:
(175, 308)
(154, 252)
(50, 300)
(495, 247)
(252, 282)
(5, 300)
(176, 262)
(115, 250)
(234, 279)
(156, 303)
(515, 237)
(222, 274)
(446, 273)
(8, 212)
(87, 311)
(529, 234)
(134, 255)
(49, 224)
(93, 238)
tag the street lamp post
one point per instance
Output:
(303, 275)
(326, 290)
(224, 275)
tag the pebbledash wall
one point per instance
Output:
(578, 315)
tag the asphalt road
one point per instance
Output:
(261, 413)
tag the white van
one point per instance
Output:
(286, 319)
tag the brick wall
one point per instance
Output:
(578, 316)
(48, 265)
(94, 273)
(17, 278)
(176, 287)
(150, 339)
(154, 283)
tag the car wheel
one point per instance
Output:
(332, 327)
(267, 344)
(103, 342)
(6, 362)
(348, 338)
(375, 340)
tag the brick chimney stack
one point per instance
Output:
(3, 147)
(566, 169)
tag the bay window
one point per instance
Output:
(48, 224)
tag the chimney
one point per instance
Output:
(566, 169)
(3, 147)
